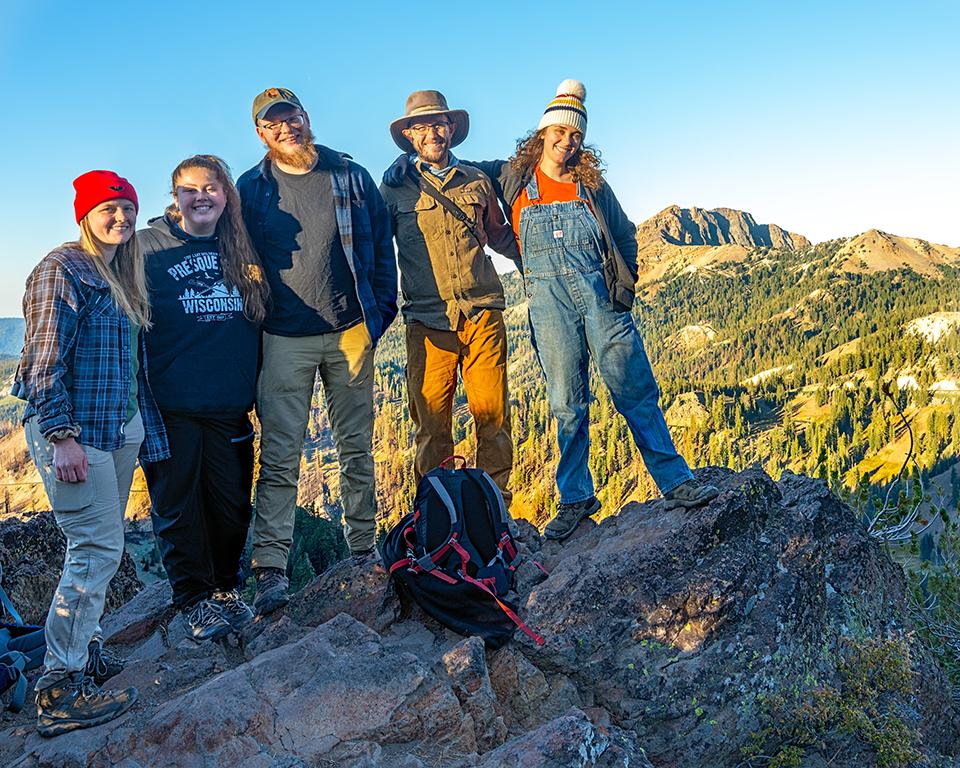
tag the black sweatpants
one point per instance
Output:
(201, 502)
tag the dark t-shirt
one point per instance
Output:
(313, 288)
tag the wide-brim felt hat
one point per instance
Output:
(426, 104)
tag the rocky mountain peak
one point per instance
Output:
(720, 226)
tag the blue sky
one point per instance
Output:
(825, 118)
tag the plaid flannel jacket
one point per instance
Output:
(363, 223)
(75, 366)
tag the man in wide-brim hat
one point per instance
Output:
(444, 214)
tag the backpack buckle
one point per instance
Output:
(425, 562)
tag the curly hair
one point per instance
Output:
(586, 165)
(241, 264)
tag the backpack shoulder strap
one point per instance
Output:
(13, 664)
(7, 603)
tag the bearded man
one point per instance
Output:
(323, 234)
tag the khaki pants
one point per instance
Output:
(479, 351)
(90, 514)
(290, 364)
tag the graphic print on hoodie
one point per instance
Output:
(202, 351)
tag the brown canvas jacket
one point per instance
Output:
(445, 274)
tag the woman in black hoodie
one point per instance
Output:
(209, 296)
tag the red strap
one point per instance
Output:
(545, 571)
(465, 557)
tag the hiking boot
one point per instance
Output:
(207, 622)
(690, 494)
(77, 702)
(101, 663)
(233, 609)
(272, 586)
(569, 517)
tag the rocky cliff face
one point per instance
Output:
(766, 622)
(722, 226)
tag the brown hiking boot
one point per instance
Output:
(690, 494)
(272, 586)
(569, 517)
(76, 702)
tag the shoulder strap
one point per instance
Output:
(451, 207)
(15, 664)
(8, 608)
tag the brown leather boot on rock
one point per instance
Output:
(690, 494)
(75, 702)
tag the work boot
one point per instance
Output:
(207, 622)
(102, 664)
(233, 609)
(272, 586)
(76, 701)
(690, 494)
(569, 517)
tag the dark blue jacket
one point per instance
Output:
(363, 222)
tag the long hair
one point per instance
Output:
(241, 265)
(124, 274)
(585, 165)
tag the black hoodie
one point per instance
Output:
(203, 352)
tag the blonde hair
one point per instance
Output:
(241, 265)
(124, 273)
(585, 165)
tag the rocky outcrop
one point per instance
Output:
(32, 553)
(721, 226)
(684, 640)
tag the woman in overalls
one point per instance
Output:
(579, 254)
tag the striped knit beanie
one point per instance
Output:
(567, 107)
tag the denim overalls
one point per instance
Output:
(570, 316)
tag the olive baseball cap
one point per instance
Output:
(272, 97)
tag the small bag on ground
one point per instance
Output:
(455, 554)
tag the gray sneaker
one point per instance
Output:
(207, 622)
(77, 702)
(102, 664)
(272, 586)
(569, 517)
(233, 609)
(690, 494)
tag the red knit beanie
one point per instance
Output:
(95, 187)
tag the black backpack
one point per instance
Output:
(455, 554)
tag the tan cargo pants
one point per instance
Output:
(344, 361)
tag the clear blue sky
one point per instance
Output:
(826, 118)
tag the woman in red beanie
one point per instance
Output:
(89, 413)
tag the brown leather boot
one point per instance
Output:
(75, 702)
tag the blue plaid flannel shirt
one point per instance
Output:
(75, 366)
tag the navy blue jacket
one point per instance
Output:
(362, 220)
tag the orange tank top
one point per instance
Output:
(551, 191)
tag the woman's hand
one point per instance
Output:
(69, 461)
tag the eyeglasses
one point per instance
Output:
(422, 129)
(296, 121)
